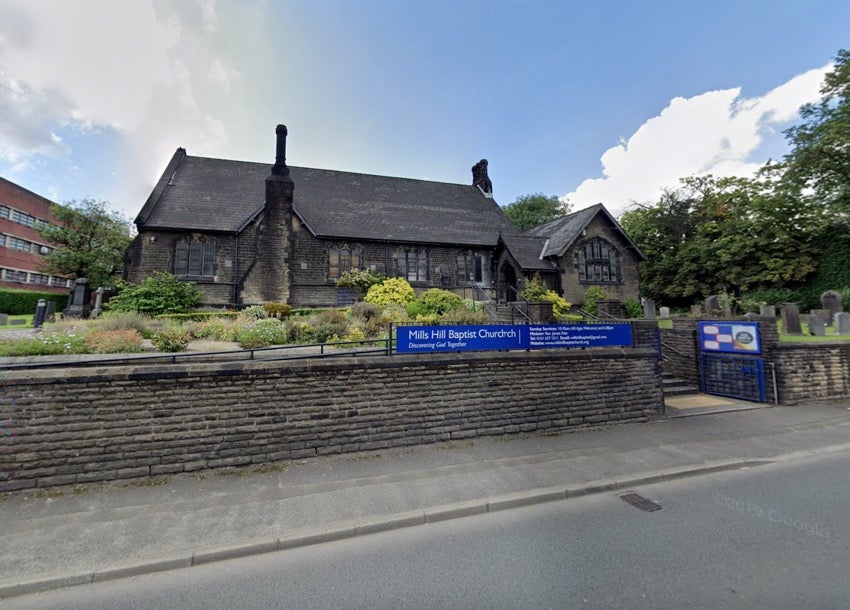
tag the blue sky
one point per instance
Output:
(591, 101)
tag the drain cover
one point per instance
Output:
(638, 501)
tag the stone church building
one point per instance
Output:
(246, 233)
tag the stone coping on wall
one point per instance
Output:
(151, 372)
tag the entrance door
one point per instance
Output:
(509, 280)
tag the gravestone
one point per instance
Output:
(665, 312)
(768, 311)
(842, 323)
(712, 306)
(4, 319)
(823, 315)
(50, 314)
(98, 303)
(833, 301)
(649, 309)
(817, 328)
(696, 311)
(17, 322)
(79, 303)
(40, 313)
(791, 319)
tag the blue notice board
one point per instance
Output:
(730, 337)
(419, 339)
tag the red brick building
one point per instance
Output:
(22, 249)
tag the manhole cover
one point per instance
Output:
(638, 501)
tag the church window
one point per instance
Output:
(598, 262)
(194, 257)
(413, 265)
(469, 268)
(342, 260)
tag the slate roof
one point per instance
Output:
(216, 195)
(527, 250)
(563, 232)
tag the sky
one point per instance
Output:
(592, 101)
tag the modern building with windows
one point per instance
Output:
(22, 249)
(247, 233)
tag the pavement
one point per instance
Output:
(77, 535)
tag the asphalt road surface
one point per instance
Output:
(775, 536)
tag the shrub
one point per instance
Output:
(122, 320)
(329, 323)
(122, 341)
(299, 331)
(465, 315)
(263, 333)
(198, 316)
(278, 310)
(158, 294)
(560, 306)
(254, 312)
(396, 313)
(593, 294)
(393, 290)
(354, 336)
(171, 340)
(434, 301)
(365, 312)
(634, 309)
(360, 279)
(216, 329)
(24, 302)
(534, 289)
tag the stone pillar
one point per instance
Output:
(98, 302)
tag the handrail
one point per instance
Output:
(243, 354)
(672, 349)
(515, 307)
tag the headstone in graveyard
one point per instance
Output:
(79, 303)
(649, 309)
(823, 315)
(4, 319)
(791, 319)
(833, 301)
(768, 311)
(817, 327)
(712, 306)
(664, 312)
(841, 322)
(696, 311)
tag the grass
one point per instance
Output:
(27, 323)
(805, 337)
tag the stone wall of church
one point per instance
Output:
(574, 289)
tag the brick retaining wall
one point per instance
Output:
(73, 426)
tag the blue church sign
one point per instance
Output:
(419, 339)
(730, 337)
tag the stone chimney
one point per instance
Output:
(270, 279)
(481, 179)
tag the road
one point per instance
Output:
(774, 536)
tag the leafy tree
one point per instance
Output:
(91, 241)
(158, 294)
(819, 161)
(532, 210)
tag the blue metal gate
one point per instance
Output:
(733, 377)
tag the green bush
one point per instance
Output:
(254, 312)
(591, 296)
(534, 289)
(360, 279)
(198, 316)
(634, 309)
(329, 323)
(171, 340)
(278, 310)
(263, 333)
(465, 315)
(434, 301)
(122, 320)
(353, 337)
(23, 302)
(216, 329)
(158, 294)
(365, 312)
(299, 331)
(393, 290)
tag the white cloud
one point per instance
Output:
(713, 133)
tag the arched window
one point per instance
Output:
(412, 265)
(342, 259)
(194, 257)
(598, 262)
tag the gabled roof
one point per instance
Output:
(216, 195)
(527, 251)
(563, 232)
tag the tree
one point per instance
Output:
(819, 161)
(158, 294)
(91, 241)
(532, 210)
